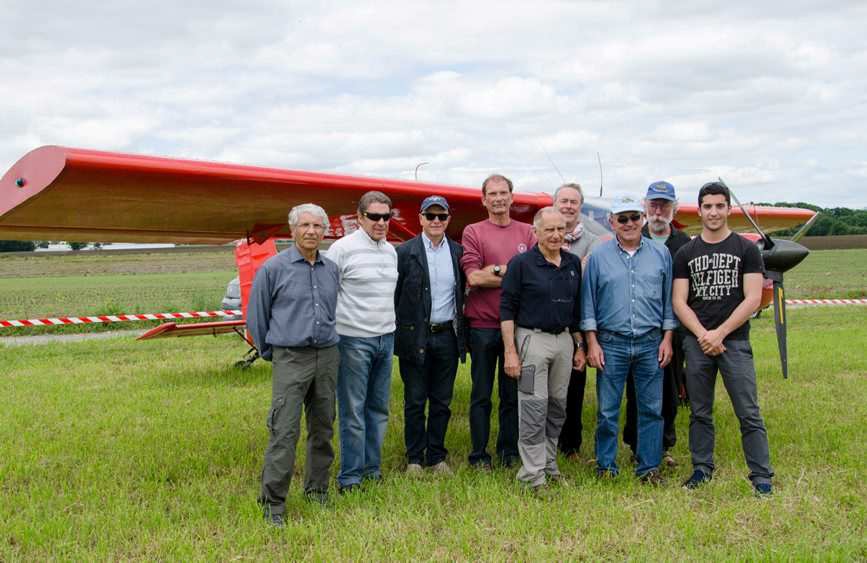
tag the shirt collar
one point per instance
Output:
(428, 243)
(640, 244)
(296, 256)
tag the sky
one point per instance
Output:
(771, 96)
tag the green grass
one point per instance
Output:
(829, 274)
(127, 450)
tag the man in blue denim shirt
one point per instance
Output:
(627, 319)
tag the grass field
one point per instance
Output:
(152, 451)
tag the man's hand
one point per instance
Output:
(595, 357)
(579, 361)
(665, 352)
(711, 342)
(512, 364)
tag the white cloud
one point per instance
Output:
(769, 94)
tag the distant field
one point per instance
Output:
(94, 283)
(126, 450)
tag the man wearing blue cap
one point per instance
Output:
(429, 339)
(627, 320)
(660, 205)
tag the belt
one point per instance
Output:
(440, 327)
(554, 331)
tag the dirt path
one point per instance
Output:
(49, 338)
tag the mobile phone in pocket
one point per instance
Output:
(527, 382)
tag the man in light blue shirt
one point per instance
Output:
(627, 318)
(429, 339)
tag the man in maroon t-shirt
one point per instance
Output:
(488, 247)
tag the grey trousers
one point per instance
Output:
(739, 377)
(308, 377)
(542, 413)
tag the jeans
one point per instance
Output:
(626, 356)
(301, 377)
(739, 378)
(363, 387)
(486, 352)
(431, 383)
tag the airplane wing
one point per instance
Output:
(84, 195)
(770, 219)
(60, 193)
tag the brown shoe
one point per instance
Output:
(667, 460)
(652, 477)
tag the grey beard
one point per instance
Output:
(658, 227)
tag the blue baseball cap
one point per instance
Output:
(432, 200)
(661, 190)
(624, 204)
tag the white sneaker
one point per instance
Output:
(414, 468)
(442, 468)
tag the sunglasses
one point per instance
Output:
(441, 216)
(623, 219)
(377, 217)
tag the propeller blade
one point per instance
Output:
(780, 322)
(768, 242)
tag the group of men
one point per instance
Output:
(534, 305)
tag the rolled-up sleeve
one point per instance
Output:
(259, 312)
(588, 295)
(668, 320)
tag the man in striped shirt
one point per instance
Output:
(365, 322)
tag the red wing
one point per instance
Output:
(770, 219)
(70, 194)
(167, 330)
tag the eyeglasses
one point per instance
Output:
(441, 216)
(623, 219)
(377, 217)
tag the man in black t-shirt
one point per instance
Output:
(717, 287)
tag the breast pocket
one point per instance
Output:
(650, 284)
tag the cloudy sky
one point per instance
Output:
(772, 96)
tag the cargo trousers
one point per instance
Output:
(541, 414)
(301, 377)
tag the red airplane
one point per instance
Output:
(70, 194)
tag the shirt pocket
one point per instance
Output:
(650, 284)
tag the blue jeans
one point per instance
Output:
(638, 356)
(363, 387)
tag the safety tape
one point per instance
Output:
(118, 318)
(826, 301)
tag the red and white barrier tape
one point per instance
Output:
(118, 318)
(826, 301)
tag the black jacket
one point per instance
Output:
(412, 300)
(675, 240)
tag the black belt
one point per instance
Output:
(440, 327)
(554, 331)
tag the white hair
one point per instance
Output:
(295, 214)
(537, 219)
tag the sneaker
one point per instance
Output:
(441, 468)
(346, 489)
(414, 469)
(652, 477)
(763, 489)
(273, 519)
(667, 460)
(483, 466)
(696, 480)
(605, 474)
(316, 496)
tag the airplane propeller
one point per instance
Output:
(779, 256)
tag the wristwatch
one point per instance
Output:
(498, 271)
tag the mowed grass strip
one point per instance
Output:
(124, 450)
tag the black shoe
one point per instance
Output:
(696, 480)
(604, 474)
(316, 496)
(763, 489)
(510, 461)
(652, 477)
(484, 466)
(351, 488)
(272, 518)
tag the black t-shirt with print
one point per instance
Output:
(716, 278)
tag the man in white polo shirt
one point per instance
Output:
(365, 322)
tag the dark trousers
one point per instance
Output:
(739, 377)
(301, 377)
(430, 383)
(672, 374)
(486, 351)
(570, 435)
